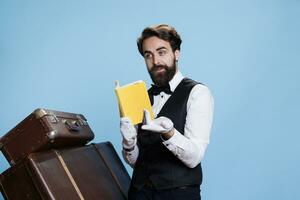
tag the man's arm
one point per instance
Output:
(130, 155)
(190, 147)
(129, 134)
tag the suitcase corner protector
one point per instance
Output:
(40, 112)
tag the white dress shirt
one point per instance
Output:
(190, 147)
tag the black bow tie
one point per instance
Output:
(155, 90)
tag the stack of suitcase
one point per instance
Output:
(49, 159)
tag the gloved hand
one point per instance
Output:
(128, 132)
(158, 125)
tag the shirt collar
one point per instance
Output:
(176, 80)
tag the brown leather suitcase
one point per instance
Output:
(92, 172)
(42, 130)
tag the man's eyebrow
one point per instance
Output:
(161, 48)
(147, 52)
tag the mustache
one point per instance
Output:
(156, 67)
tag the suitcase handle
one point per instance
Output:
(73, 126)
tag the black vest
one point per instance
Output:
(155, 162)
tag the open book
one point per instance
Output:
(133, 98)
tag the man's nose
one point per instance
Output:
(156, 60)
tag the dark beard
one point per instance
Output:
(162, 79)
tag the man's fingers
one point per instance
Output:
(147, 117)
(153, 128)
(146, 127)
(166, 125)
(125, 120)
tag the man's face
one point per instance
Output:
(160, 60)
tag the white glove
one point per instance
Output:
(158, 125)
(128, 132)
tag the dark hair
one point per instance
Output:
(162, 31)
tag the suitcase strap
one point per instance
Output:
(111, 172)
(61, 160)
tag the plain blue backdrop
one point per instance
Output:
(66, 55)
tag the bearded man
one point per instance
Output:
(166, 152)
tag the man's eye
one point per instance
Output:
(161, 53)
(147, 55)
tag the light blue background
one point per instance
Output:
(66, 55)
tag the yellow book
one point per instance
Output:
(133, 98)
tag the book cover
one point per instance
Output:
(133, 98)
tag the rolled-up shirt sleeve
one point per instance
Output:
(190, 147)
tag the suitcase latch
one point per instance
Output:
(81, 120)
(73, 125)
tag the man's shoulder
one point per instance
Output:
(197, 88)
(190, 82)
(200, 90)
(193, 88)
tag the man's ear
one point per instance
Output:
(177, 54)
